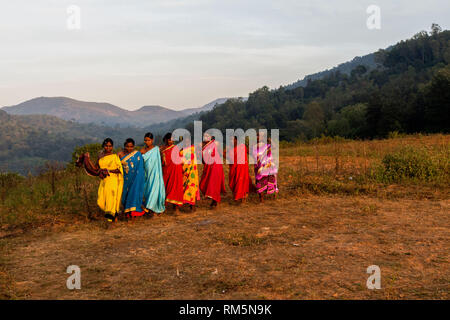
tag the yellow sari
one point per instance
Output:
(110, 189)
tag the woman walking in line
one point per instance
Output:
(265, 169)
(172, 167)
(191, 191)
(111, 185)
(109, 168)
(154, 191)
(239, 177)
(212, 183)
(133, 174)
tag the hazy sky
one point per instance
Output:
(186, 53)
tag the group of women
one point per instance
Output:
(147, 181)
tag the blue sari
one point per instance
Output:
(154, 190)
(133, 185)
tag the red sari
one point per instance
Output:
(212, 183)
(173, 175)
(239, 178)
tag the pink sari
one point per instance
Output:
(265, 169)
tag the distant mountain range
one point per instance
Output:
(103, 113)
(110, 115)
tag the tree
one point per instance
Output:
(437, 102)
(435, 29)
(358, 71)
(350, 122)
(315, 118)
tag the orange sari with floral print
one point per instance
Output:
(190, 176)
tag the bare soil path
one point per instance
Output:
(312, 247)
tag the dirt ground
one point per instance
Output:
(302, 247)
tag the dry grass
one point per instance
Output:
(375, 149)
(304, 248)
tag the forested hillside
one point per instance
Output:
(408, 93)
(27, 142)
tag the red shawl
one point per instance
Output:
(213, 178)
(239, 178)
(173, 175)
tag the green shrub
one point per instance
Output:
(411, 163)
(10, 179)
(395, 134)
(93, 149)
(323, 140)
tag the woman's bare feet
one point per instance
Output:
(149, 214)
(261, 198)
(213, 204)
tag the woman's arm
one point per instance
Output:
(162, 155)
(89, 163)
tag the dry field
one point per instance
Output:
(303, 245)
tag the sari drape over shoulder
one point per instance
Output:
(239, 177)
(133, 186)
(110, 189)
(190, 176)
(173, 174)
(212, 183)
(265, 169)
(154, 191)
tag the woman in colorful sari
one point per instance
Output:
(239, 178)
(172, 165)
(265, 169)
(154, 191)
(212, 183)
(109, 169)
(133, 186)
(190, 174)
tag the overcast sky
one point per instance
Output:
(186, 53)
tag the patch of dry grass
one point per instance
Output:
(312, 247)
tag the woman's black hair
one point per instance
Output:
(167, 136)
(148, 135)
(106, 141)
(129, 140)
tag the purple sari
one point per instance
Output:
(265, 169)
